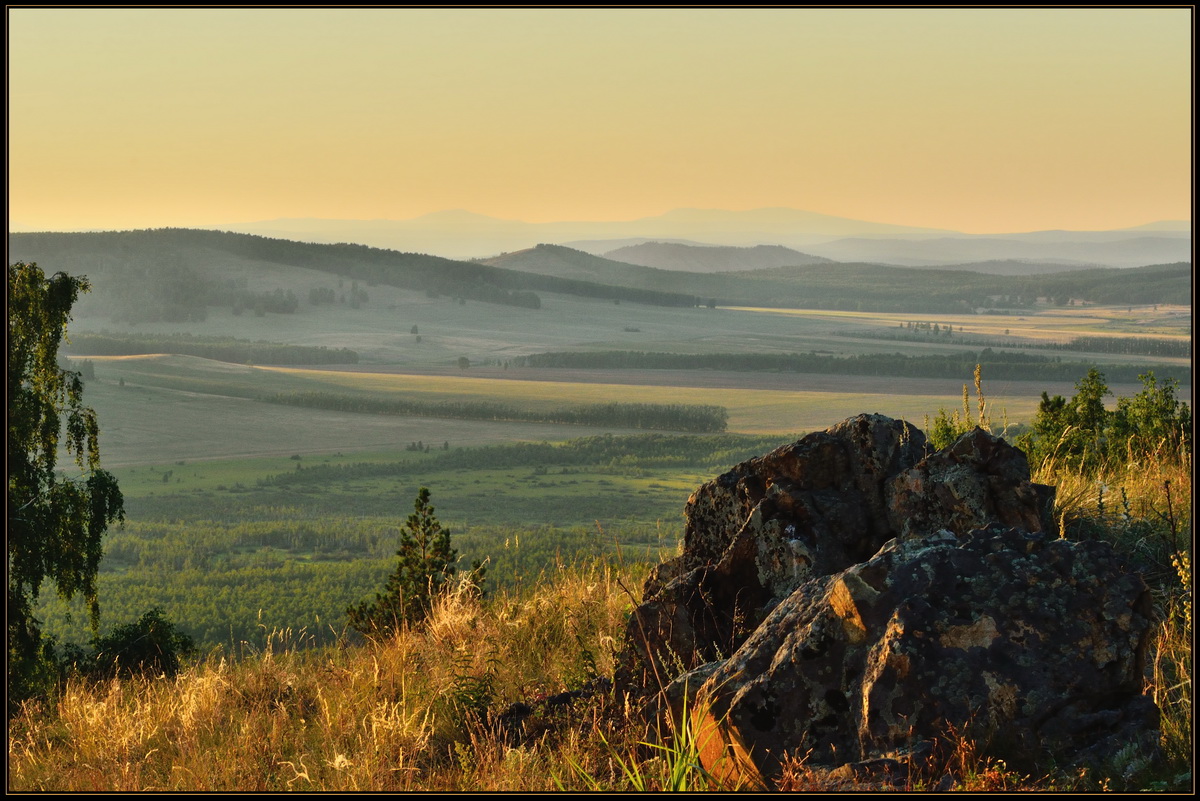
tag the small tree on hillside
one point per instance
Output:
(427, 564)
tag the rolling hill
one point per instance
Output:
(712, 258)
(1080, 249)
(178, 274)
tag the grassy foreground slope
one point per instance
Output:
(418, 712)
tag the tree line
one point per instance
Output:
(619, 452)
(1122, 346)
(671, 417)
(238, 351)
(998, 364)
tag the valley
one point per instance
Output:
(287, 480)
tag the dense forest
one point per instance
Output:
(701, 419)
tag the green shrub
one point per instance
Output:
(152, 646)
(1081, 435)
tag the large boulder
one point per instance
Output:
(1032, 648)
(812, 508)
(978, 479)
(852, 593)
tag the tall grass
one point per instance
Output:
(415, 712)
(421, 710)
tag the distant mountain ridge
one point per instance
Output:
(463, 234)
(177, 274)
(460, 234)
(712, 258)
(1100, 249)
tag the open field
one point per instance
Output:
(146, 424)
(182, 407)
(227, 547)
(185, 408)
(1056, 324)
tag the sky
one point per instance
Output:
(977, 120)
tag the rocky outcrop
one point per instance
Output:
(851, 595)
(813, 508)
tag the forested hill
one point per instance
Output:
(875, 287)
(712, 258)
(563, 262)
(176, 274)
(183, 270)
(869, 287)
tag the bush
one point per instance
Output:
(947, 428)
(1081, 435)
(151, 646)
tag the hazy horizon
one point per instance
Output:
(971, 120)
(1148, 226)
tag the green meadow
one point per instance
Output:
(235, 548)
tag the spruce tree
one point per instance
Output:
(426, 566)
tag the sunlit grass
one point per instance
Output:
(1145, 509)
(409, 713)
(418, 711)
(1047, 325)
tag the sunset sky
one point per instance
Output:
(980, 120)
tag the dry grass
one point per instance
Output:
(405, 714)
(419, 711)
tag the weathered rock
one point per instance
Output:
(811, 508)
(851, 595)
(979, 479)
(1028, 646)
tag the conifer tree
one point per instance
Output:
(426, 566)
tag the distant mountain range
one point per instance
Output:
(462, 234)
